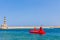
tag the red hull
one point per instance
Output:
(34, 31)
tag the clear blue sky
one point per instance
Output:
(30, 12)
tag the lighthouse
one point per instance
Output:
(4, 26)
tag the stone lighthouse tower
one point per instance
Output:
(4, 26)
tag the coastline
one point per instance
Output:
(29, 27)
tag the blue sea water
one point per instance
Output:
(23, 34)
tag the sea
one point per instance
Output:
(24, 34)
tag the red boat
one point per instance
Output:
(40, 31)
(34, 31)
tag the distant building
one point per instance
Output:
(4, 26)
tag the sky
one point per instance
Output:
(30, 12)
